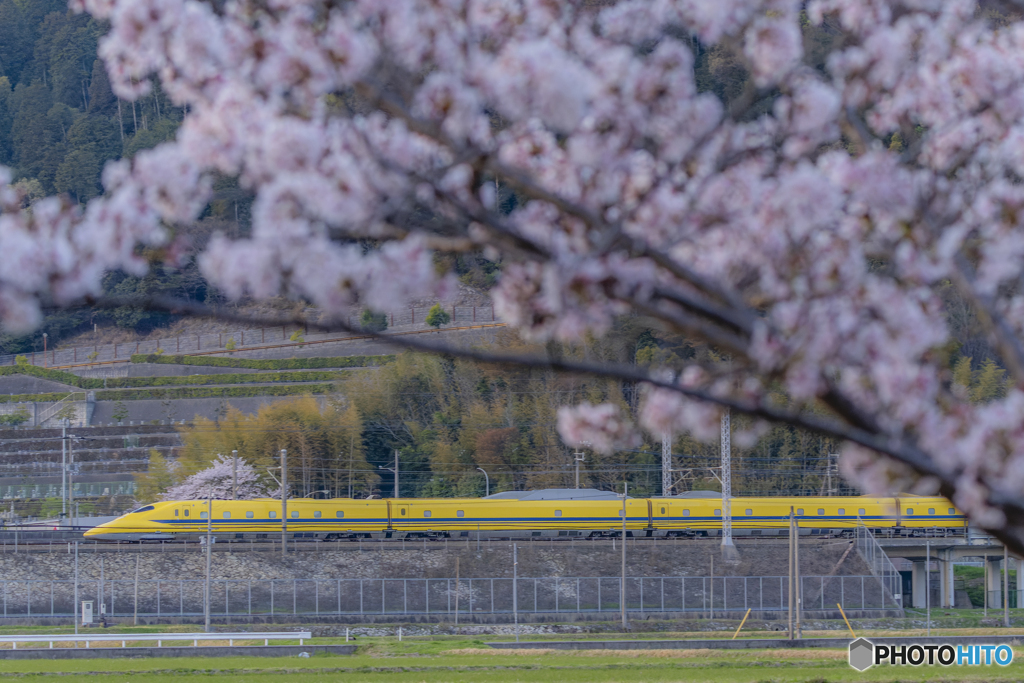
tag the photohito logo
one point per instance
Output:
(864, 654)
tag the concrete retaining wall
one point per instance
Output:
(203, 651)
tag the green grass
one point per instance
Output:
(385, 660)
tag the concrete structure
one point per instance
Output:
(210, 651)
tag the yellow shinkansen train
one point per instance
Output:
(561, 512)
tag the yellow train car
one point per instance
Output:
(529, 515)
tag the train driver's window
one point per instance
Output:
(272, 514)
(316, 513)
(460, 513)
(862, 511)
(821, 511)
(931, 511)
(202, 515)
(249, 515)
(339, 513)
(749, 512)
(842, 511)
(952, 511)
(686, 513)
(799, 511)
(227, 515)
(295, 513)
(426, 513)
(558, 513)
(910, 511)
(718, 513)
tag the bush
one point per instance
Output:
(270, 364)
(40, 398)
(192, 380)
(373, 322)
(211, 392)
(16, 418)
(437, 316)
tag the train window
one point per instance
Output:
(662, 510)
(403, 511)
(931, 511)
(227, 515)
(295, 513)
(862, 511)
(460, 513)
(952, 511)
(842, 511)
(339, 513)
(142, 509)
(821, 511)
(799, 511)
(202, 515)
(176, 513)
(426, 513)
(186, 513)
(910, 511)
(249, 514)
(558, 513)
(749, 512)
(686, 513)
(622, 513)
(718, 513)
(272, 514)
(316, 514)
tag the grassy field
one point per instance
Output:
(469, 660)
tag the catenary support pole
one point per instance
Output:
(76, 588)
(135, 617)
(515, 586)
(799, 593)
(284, 502)
(666, 464)
(728, 549)
(209, 553)
(622, 597)
(234, 475)
(927, 585)
(63, 472)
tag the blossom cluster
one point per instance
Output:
(224, 479)
(797, 241)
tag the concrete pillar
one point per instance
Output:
(918, 583)
(995, 583)
(940, 567)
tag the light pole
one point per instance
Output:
(487, 481)
(44, 349)
(63, 472)
(392, 469)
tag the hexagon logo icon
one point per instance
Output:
(862, 654)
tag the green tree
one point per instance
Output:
(437, 316)
(160, 475)
(373, 322)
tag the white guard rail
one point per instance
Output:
(88, 638)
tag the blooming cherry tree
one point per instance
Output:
(216, 482)
(787, 234)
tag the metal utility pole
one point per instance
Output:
(927, 585)
(487, 481)
(284, 502)
(792, 529)
(234, 475)
(76, 588)
(728, 549)
(666, 464)
(63, 471)
(799, 593)
(1006, 587)
(515, 585)
(578, 457)
(622, 597)
(209, 549)
(135, 619)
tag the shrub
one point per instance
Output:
(373, 322)
(437, 316)
(268, 364)
(297, 337)
(211, 392)
(230, 346)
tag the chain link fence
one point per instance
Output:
(185, 597)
